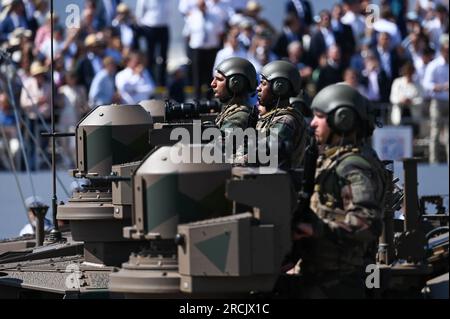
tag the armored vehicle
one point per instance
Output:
(151, 221)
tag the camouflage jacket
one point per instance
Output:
(347, 208)
(292, 132)
(234, 116)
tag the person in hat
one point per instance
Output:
(91, 64)
(125, 26)
(35, 101)
(253, 12)
(29, 229)
(39, 91)
(436, 82)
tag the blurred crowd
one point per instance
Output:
(395, 54)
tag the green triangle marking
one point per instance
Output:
(216, 249)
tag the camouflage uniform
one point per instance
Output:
(234, 116)
(292, 131)
(346, 212)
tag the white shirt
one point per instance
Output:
(153, 13)
(436, 72)
(228, 52)
(204, 30)
(134, 88)
(402, 89)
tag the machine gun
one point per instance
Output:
(179, 112)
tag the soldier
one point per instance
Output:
(281, 80)
(234, 80)
(346, 206)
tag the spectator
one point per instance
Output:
(438, 25)
(153, 18)
(398, 9)
(343, 34)
(322, 38)
(261, 53)
(60, 45)
(231, 48)
(351, 78)
(204, 31)
(292, 31)
(90, 64)
(331, 73)
(105, 11)
(353, 17)
(39, 89)
(41, 12)
(375, 81)
(406, 98)
(388, 58)
(44, 31)
(253, 12)
(302, 9)
(13, 16)
(30, 229)
(246, 34)
(73, 101)
(427, 56)
(296, 57)
(125, 27)
(134, 83)
(436, 82)
(35, 101)
(103, 91)
(386, 24)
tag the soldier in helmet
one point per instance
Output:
(234, 80)
(346, 206)
(280, 80)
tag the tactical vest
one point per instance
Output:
(267, 120)
(329, 254)
(234, 109)
(326, 201)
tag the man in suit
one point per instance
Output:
(323, 38)
(343, 34)
(292, 31)
(302, 9)
(388, 58)
(105, 11)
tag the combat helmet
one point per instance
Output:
(240, 75)
(283, 77)
(347, 110)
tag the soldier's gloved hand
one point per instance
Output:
(302, 230)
